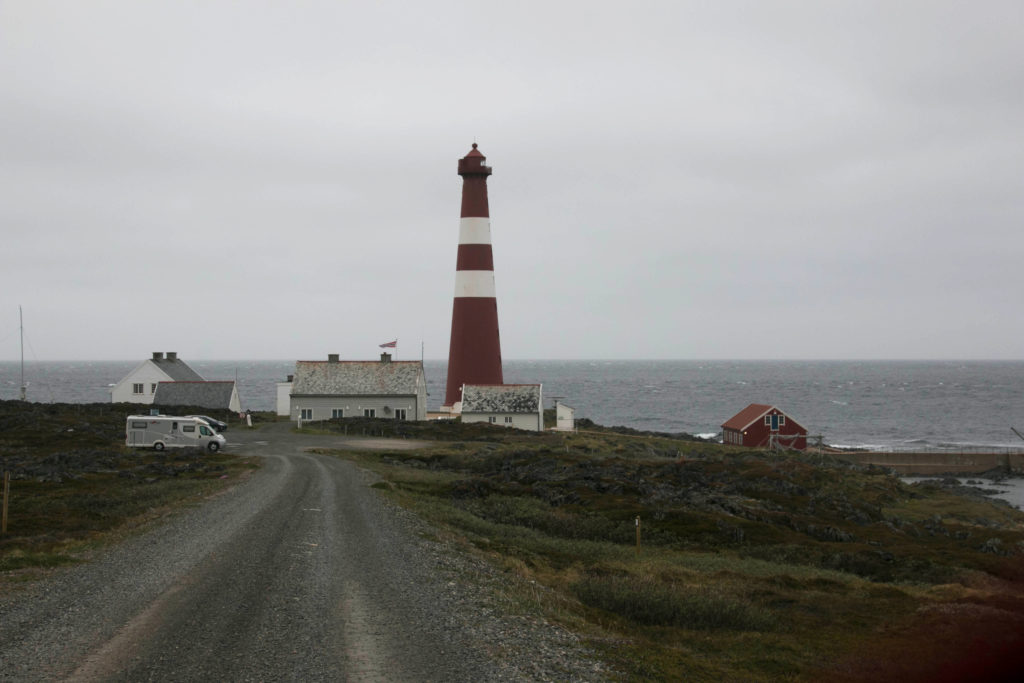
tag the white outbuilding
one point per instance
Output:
(140, 385)
(508, 405)
(565, 417)
(284, 396)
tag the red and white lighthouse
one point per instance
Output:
(474, 355)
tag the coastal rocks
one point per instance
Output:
(828, 533)
(993, 546)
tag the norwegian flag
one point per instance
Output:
(390, 345)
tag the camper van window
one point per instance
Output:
(174, 426)
(188, 428)
(138, 425)
(205, 432)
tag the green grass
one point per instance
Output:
(650, 601)
(752, 566)
(75, 486)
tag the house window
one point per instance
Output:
(138, 388)
(782, 420)
(767, 420)
(369, 412)
(399, 413)
(152, 388)
(306, 414)
(337, 412)
(492, 419)
(508, 419)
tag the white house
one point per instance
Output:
(322, 390)
(139, 385)
(508, 405)
(218, 394)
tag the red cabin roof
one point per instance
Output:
(747, 416)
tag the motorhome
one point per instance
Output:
(166, 431)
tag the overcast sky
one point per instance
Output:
(271, 180)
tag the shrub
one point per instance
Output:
(648, 602)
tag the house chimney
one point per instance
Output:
(172, 355)
(332, 358)
(385, 357)
(158, 355)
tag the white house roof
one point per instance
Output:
(501, 398)
(215, 394)
(356, 378)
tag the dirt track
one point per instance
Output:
(301, 573)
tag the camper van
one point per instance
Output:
(166, 431)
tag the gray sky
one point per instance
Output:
(235, 180)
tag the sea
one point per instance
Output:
(875, 405)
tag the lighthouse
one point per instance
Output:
(474, 354)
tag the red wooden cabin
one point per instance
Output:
(754, 426)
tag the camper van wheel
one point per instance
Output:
(158, 446)
(213, 446)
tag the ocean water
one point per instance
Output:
(880, 405)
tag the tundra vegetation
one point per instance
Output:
(752, 565)
(74, 484)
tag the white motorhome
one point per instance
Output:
(166, 431)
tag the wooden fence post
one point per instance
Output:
(7, 494)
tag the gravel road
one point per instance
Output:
(300, 573)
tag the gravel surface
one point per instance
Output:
(301, 573)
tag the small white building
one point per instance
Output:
(139, 385)
(284, 398)
(565, 418)
(323, 390)
(214, 394)
(509, 405)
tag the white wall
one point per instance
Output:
(235, 403)
(146, 373)
(284, 390)
(354, 406)
(565, 418)
(529, 421)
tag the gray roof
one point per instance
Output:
(178, 370)
(199, 394)
(356, 378)
(501, 398)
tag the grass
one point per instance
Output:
(76, 487)
(753, 566)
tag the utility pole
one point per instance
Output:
(21, 329)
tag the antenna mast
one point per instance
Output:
(21, 329)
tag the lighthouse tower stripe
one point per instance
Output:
(475, 257)
(474, 356)
(474, 283)
(475, 230)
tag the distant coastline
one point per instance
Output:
(874, 405)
